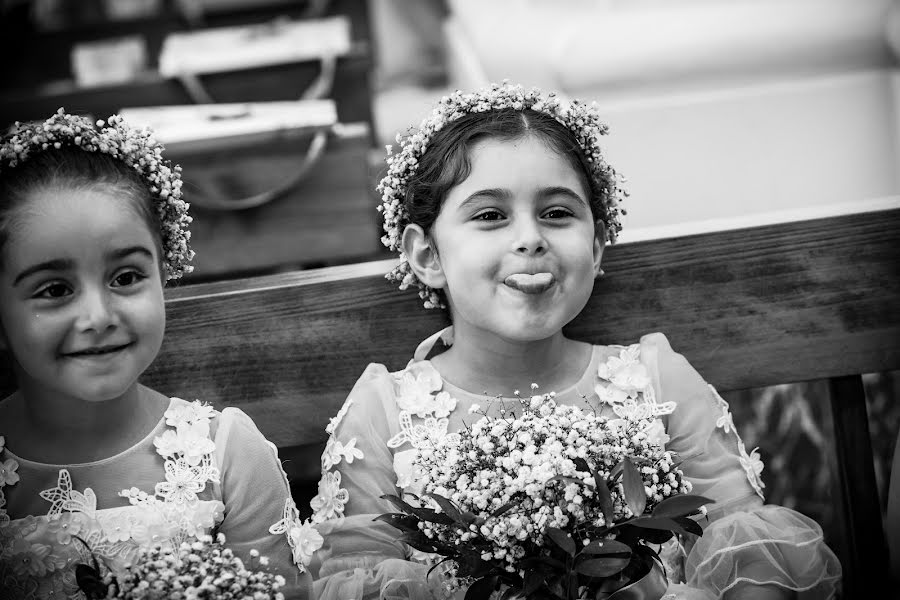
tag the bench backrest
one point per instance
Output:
(752, 307)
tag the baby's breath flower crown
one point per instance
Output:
(136, 148)
(581, 119)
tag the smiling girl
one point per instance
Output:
(500, 207)
(92, 226)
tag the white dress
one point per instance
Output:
(371, 445)
(199, 470)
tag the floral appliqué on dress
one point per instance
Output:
(38, 553)
(752, 463)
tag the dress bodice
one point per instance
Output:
(38, 552)
(618, 382)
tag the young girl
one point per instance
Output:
(92, 225)
(500, 206)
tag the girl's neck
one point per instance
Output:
(60, 430)
(481, 362)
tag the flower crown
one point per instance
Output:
(136, 148)
(581, 119)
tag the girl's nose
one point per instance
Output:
(530, 239)
(95, 311)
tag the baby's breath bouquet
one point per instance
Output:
(202, 568)
(548, 501)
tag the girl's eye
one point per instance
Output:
(489, 215)
(54, 290)
(127, 278)
(558, 213)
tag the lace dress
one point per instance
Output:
(370, 449)
(197, 471)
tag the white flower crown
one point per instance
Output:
(581, 119)
(136, 148)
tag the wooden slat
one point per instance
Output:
(867, 556)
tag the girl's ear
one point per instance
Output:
(422, 255)
(599, 245)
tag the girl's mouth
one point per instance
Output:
(530, 283)
(97, 351)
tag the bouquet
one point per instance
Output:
(553, 502)
(195, 570)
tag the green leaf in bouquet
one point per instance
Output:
(566, 479)
(437, 564)
(542, 563)
(635, 496)
(689, 525)
(680, 505)
(449, 509)
(505, 508)
(90, 581)
(635, 534)
(572, 586)
(533, 580)
(400, 521)
(472, 565)
(425, 514)
(558, 586)
(581, 464)
(418, 540)
(88, 577)
(604, 497)
(616, 471)
(663, 523)
(601, 547)
(602, 567)
(482, 589)
(561, 539)
(470, 518)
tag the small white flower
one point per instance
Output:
(329, 502)
(189, 413)
(305, 540)
(8, 475)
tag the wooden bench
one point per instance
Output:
(800, 301)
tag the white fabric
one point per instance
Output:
(743, 541)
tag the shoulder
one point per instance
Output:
(369, 402)
(656, 350)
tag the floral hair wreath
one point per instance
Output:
(581, 119)
(136, 148)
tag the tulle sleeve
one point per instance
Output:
(360, 557)
(748, 549)
(254, 488)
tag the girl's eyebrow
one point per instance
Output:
(58, 264)
(123, 252)
(486, 194)
(561, 190)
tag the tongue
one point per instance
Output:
(530, 284)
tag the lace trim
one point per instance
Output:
(302, 536)
(752, 463)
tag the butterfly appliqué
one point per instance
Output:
(63, 498)
(418, 434)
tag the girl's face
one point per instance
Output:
(81, 297)
(516, 243)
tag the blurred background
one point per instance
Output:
(723, 114)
